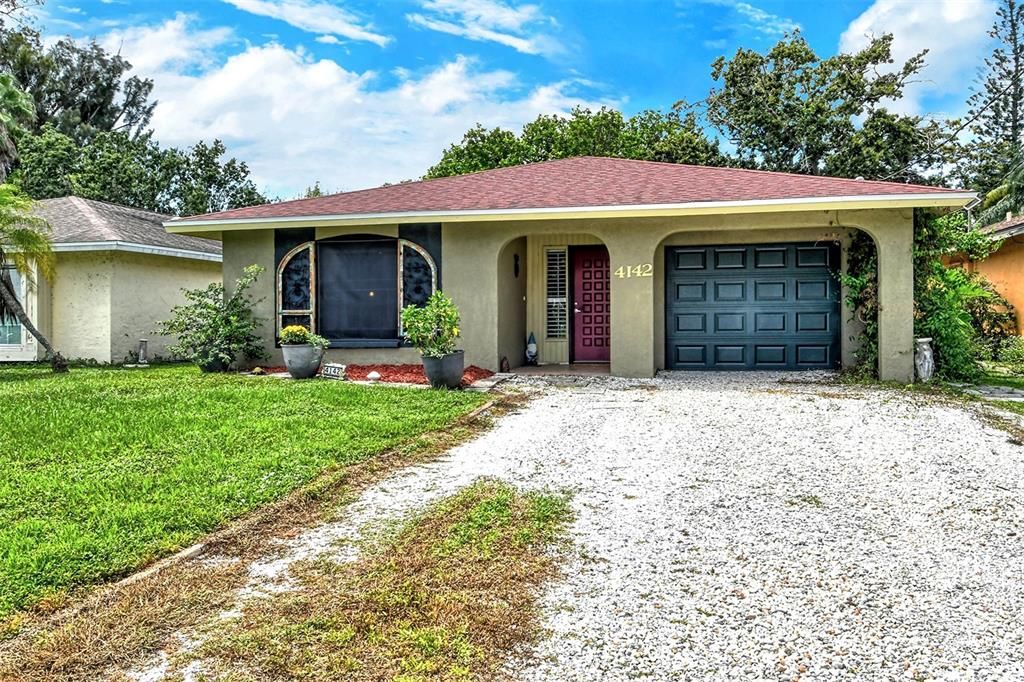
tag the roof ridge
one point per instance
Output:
(158, 217)
(421, 181)
(94, 218)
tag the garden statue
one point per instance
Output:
(924, 360)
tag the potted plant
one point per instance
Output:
(214, 328)
(433, 330)
(303, 351)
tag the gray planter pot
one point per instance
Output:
(445, 372)
(302, 360)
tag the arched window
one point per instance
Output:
(353, 289)
(296, 287)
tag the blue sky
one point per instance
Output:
(353, 93)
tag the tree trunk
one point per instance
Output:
(11, 302)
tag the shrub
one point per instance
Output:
(296, 334)
(962, 313)
(943, 302)
(433, 328)
(1012, 353)
(214, 329)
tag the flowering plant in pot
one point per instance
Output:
(433, 329)
(303, 351)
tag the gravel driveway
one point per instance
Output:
(740, 526)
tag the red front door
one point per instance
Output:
(592, 305)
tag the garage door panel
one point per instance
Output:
(690, 259)
(693, 323)
(730, 258)
(780, 310)
(770, 257)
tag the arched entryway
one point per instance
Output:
(555, 287)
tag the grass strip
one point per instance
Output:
(447, 598)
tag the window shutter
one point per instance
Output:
(557, 284)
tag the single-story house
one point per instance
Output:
(118, 272)
(638, 264)
(1004, 268)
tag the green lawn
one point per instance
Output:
(104, 470)
(1010, 380)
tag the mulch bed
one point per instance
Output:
(399, 374)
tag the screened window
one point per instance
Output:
(358, 290)
(354, 290)
(557, 284)
(10, 330)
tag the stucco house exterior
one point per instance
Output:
(642, 265)
(117, 273)
(1004, 268)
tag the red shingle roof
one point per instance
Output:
(575, 182)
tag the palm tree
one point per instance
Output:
(1007, 197)
(16, 114)
(25, 245)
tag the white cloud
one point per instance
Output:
(765, 22)
(171, 44)
(518, 27)
(750, 17)
(953, 31)
(295, 119)
(321, 18)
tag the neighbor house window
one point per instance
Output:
(352, 290)
(557, 285)
(10, 330)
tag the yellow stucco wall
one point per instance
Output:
(144, 289)
(100, 303)
(477, 262)
(80, 305)
(1005, 269)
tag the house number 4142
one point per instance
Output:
(638, 270)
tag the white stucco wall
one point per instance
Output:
(145, 288)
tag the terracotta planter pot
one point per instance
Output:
(445, 372)
(302, 360)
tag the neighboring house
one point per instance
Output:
(118, 272)
(1005, 267)
(644, 265)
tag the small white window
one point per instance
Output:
(557, 285)
(10, 331)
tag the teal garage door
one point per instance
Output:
(763, 306)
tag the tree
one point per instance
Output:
(25, 244)
(81, 90)
(134, 171)
(650, 135)
(205, 183)
(789, 110)
(124, 170)
(15, 114)
(1006, 198)
(997, 107)
(480, 149)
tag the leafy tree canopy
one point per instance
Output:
(649, 135)
(81, 90)
(135, 171)
(790, 110)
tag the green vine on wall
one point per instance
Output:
(963, 314)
